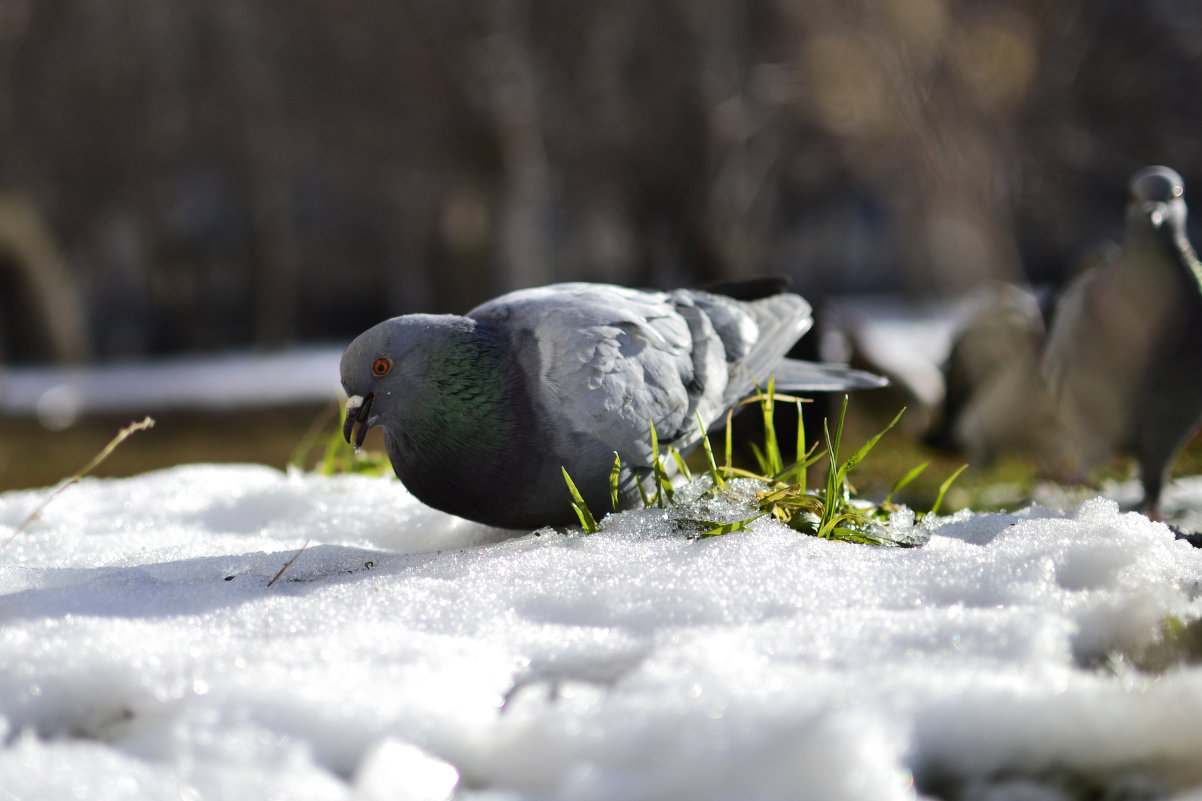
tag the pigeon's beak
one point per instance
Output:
(1157, 213)
(357, 422)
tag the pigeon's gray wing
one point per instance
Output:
(603, 361)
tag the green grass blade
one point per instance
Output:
(791, 498)
(614, 475)
(832, 480)
(586, 518)
(839, 427)
(663, 484)
(681, 465)
(738, 472)
(943, 489)
(709, 455)
(718, 529)
(834, 448)
(901, 483)
(761, 459)
(730, 416)
(773, 459)
(647, 501)
(655, 466)
(800, 447)
(587, 521)
(808, 460)
(824, 531)
(664, 488)
(859, 455)
(777, 496)
(842, 534)
(799, 468)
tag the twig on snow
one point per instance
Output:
(105, 452)
(288, 564)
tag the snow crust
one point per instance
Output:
(406, 654)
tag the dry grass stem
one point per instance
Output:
(105, 452)
(288, 564)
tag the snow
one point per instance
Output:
(406, 654)
(60, 395)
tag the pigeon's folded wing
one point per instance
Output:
(604, 362)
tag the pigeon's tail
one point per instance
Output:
(780, 321)
(795, 375)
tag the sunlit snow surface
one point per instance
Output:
(409, 655)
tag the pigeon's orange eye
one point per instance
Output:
(382, 366)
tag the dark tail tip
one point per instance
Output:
(749, 288)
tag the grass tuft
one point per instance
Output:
(830, 512)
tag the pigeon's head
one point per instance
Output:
(1157, 200)
(386, 367)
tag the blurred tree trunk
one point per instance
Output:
(52, 299)
(269, 144)
(526, 247)
(743, 144)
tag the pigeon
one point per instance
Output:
(482, 413)
(994, 399)
(1122, 357)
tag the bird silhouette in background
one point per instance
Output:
(482, 412)
(995, 400)
(1123, 362)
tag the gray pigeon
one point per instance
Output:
(1124, 353)
(481, 412)
(994, 398)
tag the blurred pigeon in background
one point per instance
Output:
(1124, 352)
(995, 400)
(481, 412)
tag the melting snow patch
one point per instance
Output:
(407, 654)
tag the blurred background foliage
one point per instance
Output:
(198, 175)
(184, 175)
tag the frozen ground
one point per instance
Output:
(408, 655)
